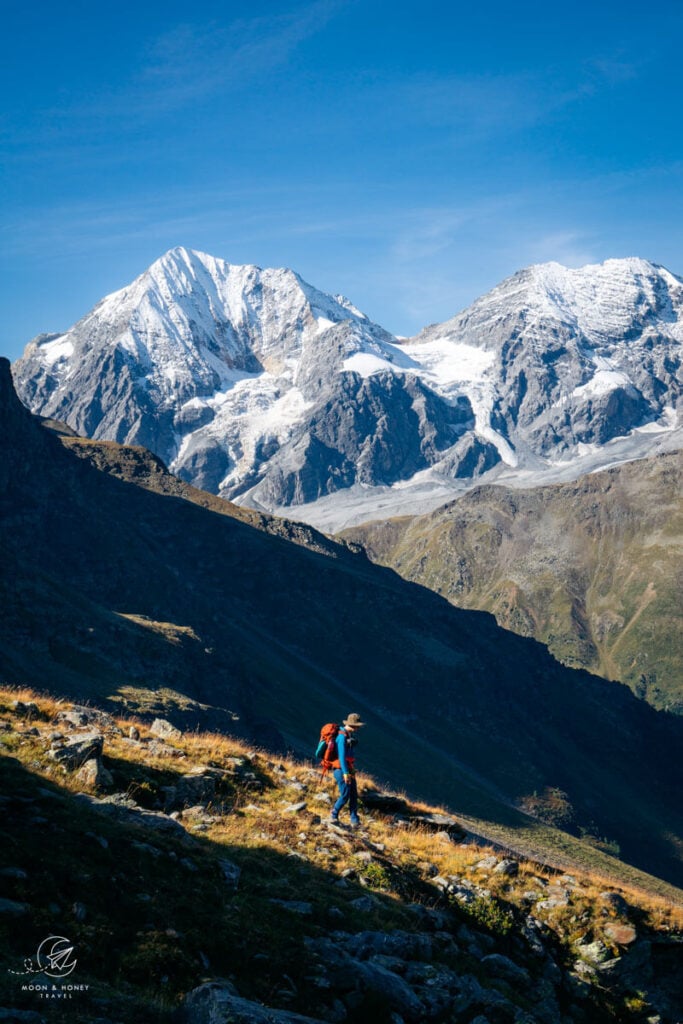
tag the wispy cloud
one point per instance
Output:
(185, 65)
(423, 233)
(195, 61)
(476, 107)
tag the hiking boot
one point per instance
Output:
(333, 819)
(355, 822)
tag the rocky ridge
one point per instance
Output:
(407, 919)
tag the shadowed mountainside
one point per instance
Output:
(115, 593)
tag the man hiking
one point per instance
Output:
(343, 767)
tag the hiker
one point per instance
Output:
(343, 768)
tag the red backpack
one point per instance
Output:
(327, 746)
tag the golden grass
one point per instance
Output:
(257, 817)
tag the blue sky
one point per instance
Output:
(407, 155)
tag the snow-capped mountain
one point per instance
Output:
(566, 358)
(253, 384)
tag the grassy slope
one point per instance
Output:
(593, 569)
(156, 919)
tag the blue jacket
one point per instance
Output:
(344, 753)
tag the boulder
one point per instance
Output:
(397, 943)
(507, 867)
(231, 874)
(395, 992)
(164, 729)
(29, 709)
(551, 904)
(18, 874)
(79, 716)
(93, 773)
(500, 966)
(131, 814)
(621, 934)
(615, 902)
(364, 903)
(197, 786)
(160, 748)
(79, 911)
(486, 864)
(78, 749)
(384, 802)
(11, 908)
(439, 823)
(218, 1003)
(594, 952)
(299, 907)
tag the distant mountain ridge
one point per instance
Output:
(254, 385)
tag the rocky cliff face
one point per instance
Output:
(258, 387)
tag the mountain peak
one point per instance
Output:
(617, 269)
(194, 260)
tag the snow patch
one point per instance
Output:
(366, 364)
(602, 383)
(450, 362)
(666, 422)
(54, 351)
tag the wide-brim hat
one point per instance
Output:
(354, 721)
